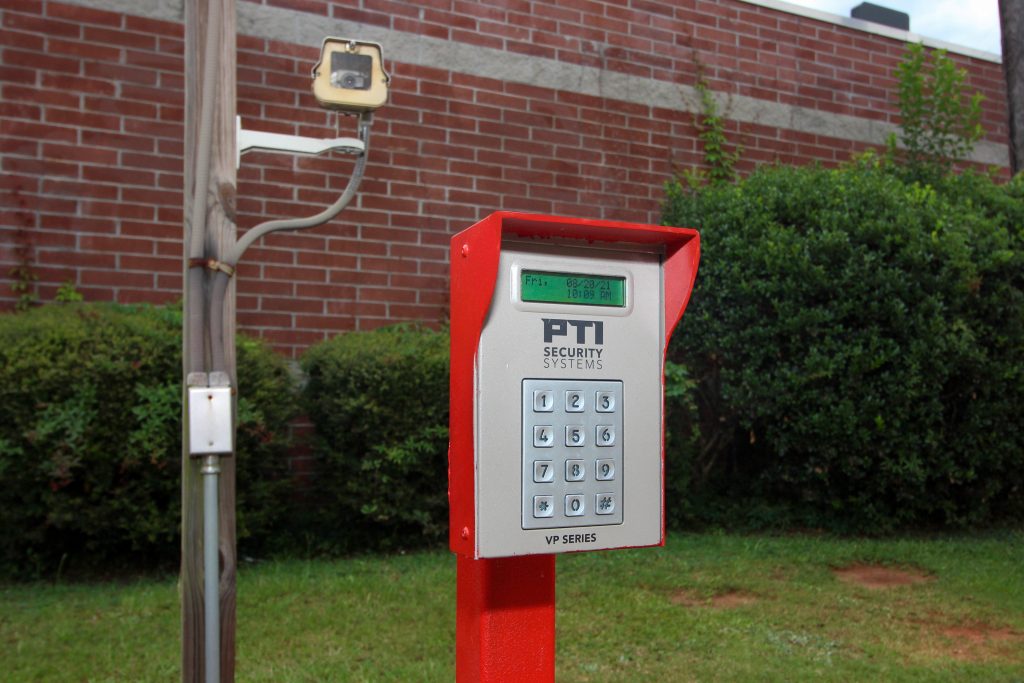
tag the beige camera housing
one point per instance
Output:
(350, 76)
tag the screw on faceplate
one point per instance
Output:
(465, 532)
(465, 250)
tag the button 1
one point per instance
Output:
(574, 505)
(543, 506)
(543, 401)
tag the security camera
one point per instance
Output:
(350, 76)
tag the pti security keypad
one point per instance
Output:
(572, 453)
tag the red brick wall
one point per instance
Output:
(91, 109)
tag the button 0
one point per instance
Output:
(543, 401)
(606, 401)
(574, 505)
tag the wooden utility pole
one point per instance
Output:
(220, 234)
(1011, 21)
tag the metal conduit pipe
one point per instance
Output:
(221, 278)
(196, 351)
(311, 221)
(211, 566)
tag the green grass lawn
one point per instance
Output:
(709, 607)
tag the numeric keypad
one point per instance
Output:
(572, 453)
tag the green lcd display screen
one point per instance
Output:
(572, 288)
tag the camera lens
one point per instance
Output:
(351, 71)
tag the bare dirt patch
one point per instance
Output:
(981, 642)
(965, 641)
(879, 577)
(727, 600)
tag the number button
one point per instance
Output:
(543, 472)
(543, 506)
(574, 505)
(605, 435)
(604, 503)
(574, 436)
(574, 401)
(605, 470)
(543, 401)
(606, 402)
(575, 470)
(543, 436)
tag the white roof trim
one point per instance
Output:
(877, 29)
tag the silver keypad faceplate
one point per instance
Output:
(572, 453)
(513, 347)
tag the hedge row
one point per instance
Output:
(379, 402)
(852, 357)
(857, 344)
(90, 439)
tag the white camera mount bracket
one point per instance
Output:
(248, 140)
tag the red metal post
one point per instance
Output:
(505, 620)
(505, 614)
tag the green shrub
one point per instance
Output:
(858, 347)
(939, 123)
(379, 404)
(682, 444)
(90, 443)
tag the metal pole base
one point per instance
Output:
(505, 620)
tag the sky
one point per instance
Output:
(972, 23)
